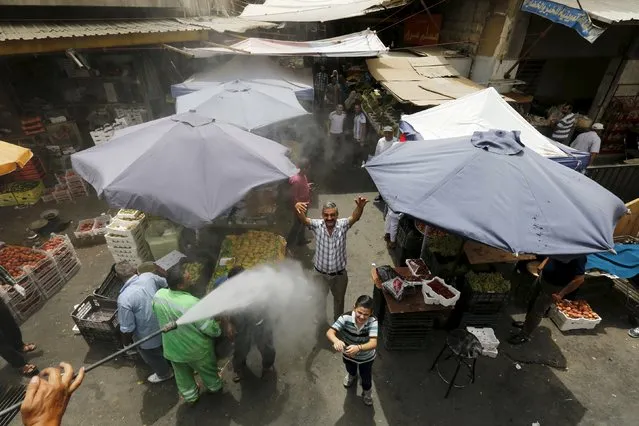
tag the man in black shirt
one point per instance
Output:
(560, 278)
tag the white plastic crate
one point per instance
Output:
(88, 232)
(126, 228)
(69, 266)
(486, 337)
(23, 307)
(100, 224)
(134, 260)
(430, 294)
(128, 242)
(564, 323)
(129, 214)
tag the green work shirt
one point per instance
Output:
(189, 342)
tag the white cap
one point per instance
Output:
(387, 129)
(597, 126)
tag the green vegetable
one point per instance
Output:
(194, 269)
(485, 282)
(446, 245)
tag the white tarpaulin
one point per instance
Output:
(362, 44)
(314, 10)
(481, 111)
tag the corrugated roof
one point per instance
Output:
(608, 11)
(67, 29)
(315, 10)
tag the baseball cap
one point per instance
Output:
(387, 129)
(597, 126)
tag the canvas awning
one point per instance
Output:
(314, 10)
(361, 44)
(422, 81)
(481, 111)
(55, 36)
(577, 14)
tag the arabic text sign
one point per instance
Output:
(573, 18)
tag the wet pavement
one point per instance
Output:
(598, 387)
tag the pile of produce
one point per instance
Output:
(85, 227)
(577, 309)
(444, 244)
(195, 271)
(53, 243)
(420, 226)
(438, 287)
(418, 267)
(14, 258)
(484, 282)
(255, 247)
(24, 186)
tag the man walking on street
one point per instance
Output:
(359, 133)
(320, 82)
(190, 346)
(383, 144)
(329, 260)
(137, 320)
(335, 132)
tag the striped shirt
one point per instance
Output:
(564, 127)
(353, 335)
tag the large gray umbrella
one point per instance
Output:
(246, 104)
(187, 168)
(492, 189)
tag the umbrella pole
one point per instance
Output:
(170, 326)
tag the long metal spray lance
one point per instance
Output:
(170, 326)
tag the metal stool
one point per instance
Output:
(464, 347)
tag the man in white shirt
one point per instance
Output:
(589, 141)
(383, 144)
(386, 141)
(359, 133)
(335, 131)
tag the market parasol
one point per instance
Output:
(249, 105)
(12, 157)
(187, 168)
(490, 188)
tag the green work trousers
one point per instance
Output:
(207, 370)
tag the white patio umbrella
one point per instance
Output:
(246, 104)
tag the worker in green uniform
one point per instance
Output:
(189, 347)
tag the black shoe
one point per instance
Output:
(518, 324)
(378, 199)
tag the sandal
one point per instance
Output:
(518, 339)
(28, 347)
(29, 370)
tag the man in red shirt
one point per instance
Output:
(300, 193)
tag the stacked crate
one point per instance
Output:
(22, 307)
(46, 276)
(125, 238)
(74, 184)
(409, 331)
(65, 257)
(481, 309)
